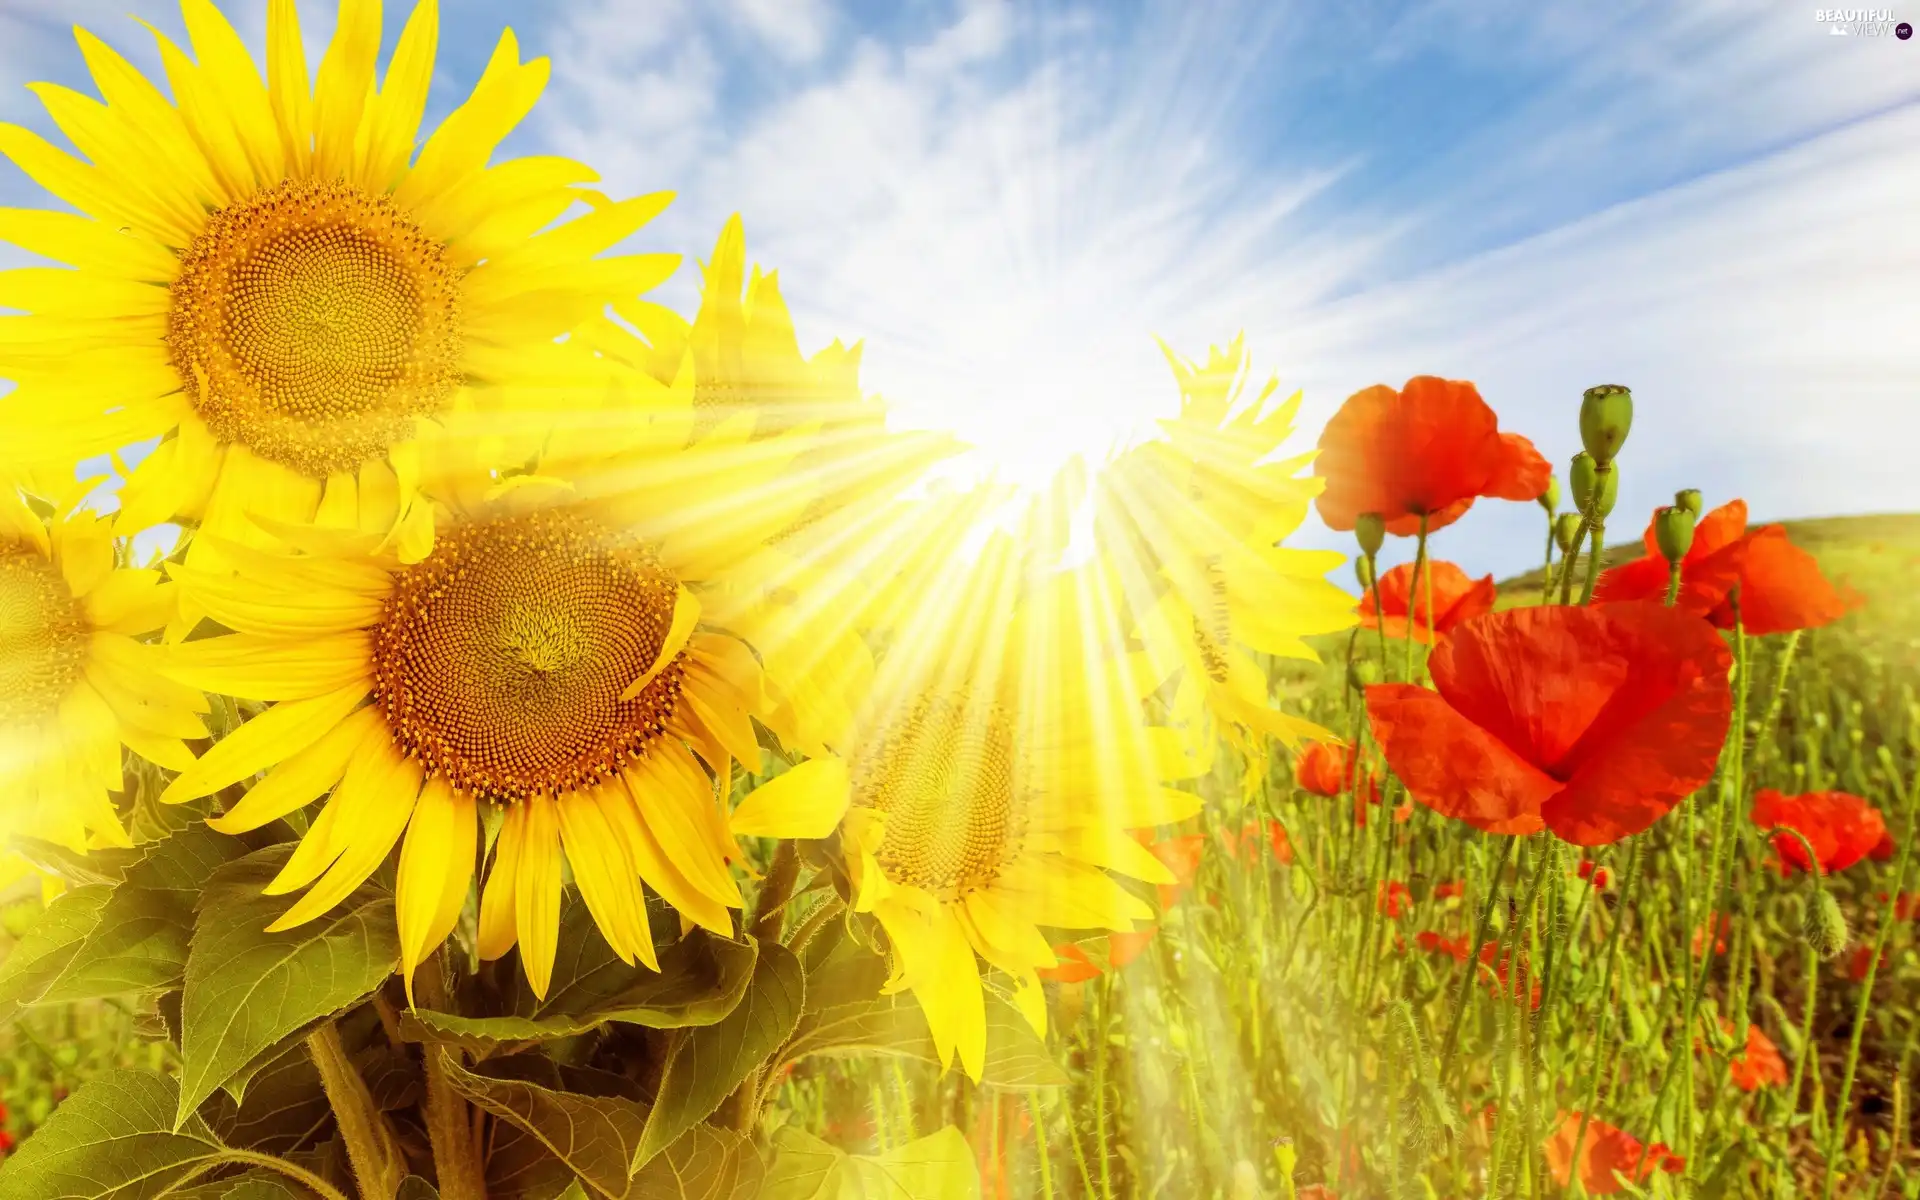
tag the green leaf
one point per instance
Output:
(520, 1168)
(248, 990)
(139, 943)
(595, 1135)
(285, 1108)
(108, 866)
(415, 1188)
(701, 979)
(704, 1164)
(254, 1185)
(705, 1064)
(39, 957)
(113, 1139)
(937, 1167)
(894, 1025)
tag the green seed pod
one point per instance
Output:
(1673, 530)
(1361, 673)
(1584, 476)
(1564, 527)
(1689, 499)
(1606, 414)
(1550, 499)
(1363, 571)
(1371, 530)
(1826, 928)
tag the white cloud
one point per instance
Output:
(794, 29)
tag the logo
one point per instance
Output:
(1861, 22)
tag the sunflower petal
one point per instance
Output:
(805, 801)
(436, 865)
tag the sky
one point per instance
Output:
(1712, 203)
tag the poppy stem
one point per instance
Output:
(1673, 583)
(1546, 573)
(1473, 958)
(1570, 562)
(1627, 888)
(1837, 1134)
(1379, 613)
(1413, 593)
(1594, 554)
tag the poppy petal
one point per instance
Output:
(1452, 765)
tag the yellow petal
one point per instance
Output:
(805, 801)
(304, 777)
(345, 81)
(663, 874)
(686, 613)
(604, 871)
(536, 893)
(259, 668)
(369, 830)
(498, 923)
(676, 802)
(393, 116)
(275, 735)
(436, 865)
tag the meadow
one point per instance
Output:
(1276, 1032)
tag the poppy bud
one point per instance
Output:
(1606, 413)
(1689, 499)
(1362, 673)
(1826, 928)
(1550, 499)
(1673, 530)
(1586, 475)
(1564, 527)
(1363, 571)
(1371, 530)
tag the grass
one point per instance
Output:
(1280, 1031)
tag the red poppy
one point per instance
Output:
(1781, 587)
(1721, 934)
(1123, 948)
(1316, 1191)
(1590, 721)
(1437, 943)
(1606, 1155)
(1456, 598)
(1328, 769)
(1449, 889)
(1509, 979)
(1860, 960)
(1393, 898)
(1180, 855)
(1885, 849)
(1842, 828)
(1906, 907)
(1245, 845)
(1594, 874)
(1428, 449)
(1759, 1065)
(1074, 965)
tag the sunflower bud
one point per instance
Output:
(1673, 530)
(1606, 413)
(1371, 530)
(1362, 673)
(1689, 499)
(1826, 928)
(1564, 527)
(1550, 499)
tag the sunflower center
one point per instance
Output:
(501, 658)
(43, 636)
(312, 323)
(943, 774)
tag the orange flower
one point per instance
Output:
(1759, 1065)
(1860, 960)
(1596, 875)
(1393, 898)
(1781, 587)
(1720, 936)
(1328, 769)
(1180, 855)
(1606, 1154)
(1456, 597)
(1449, 889)
(1436, 943)
(1841, 827)
(1508, 978)
(1074, 965)
(1123, 948)
(1592, 722)
(1885, 849)
(1246, 844)
(1428, 449)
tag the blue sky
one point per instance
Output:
(1713, 203)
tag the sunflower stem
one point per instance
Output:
(770, 903)
(456, 1157)
(1627, 888)
(1461, 992)
(372, 1149)
(1837, 1133)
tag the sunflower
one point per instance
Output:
(988, 788)
(267, 279)
(547, 658)
(75, 685)
(1196, 516)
